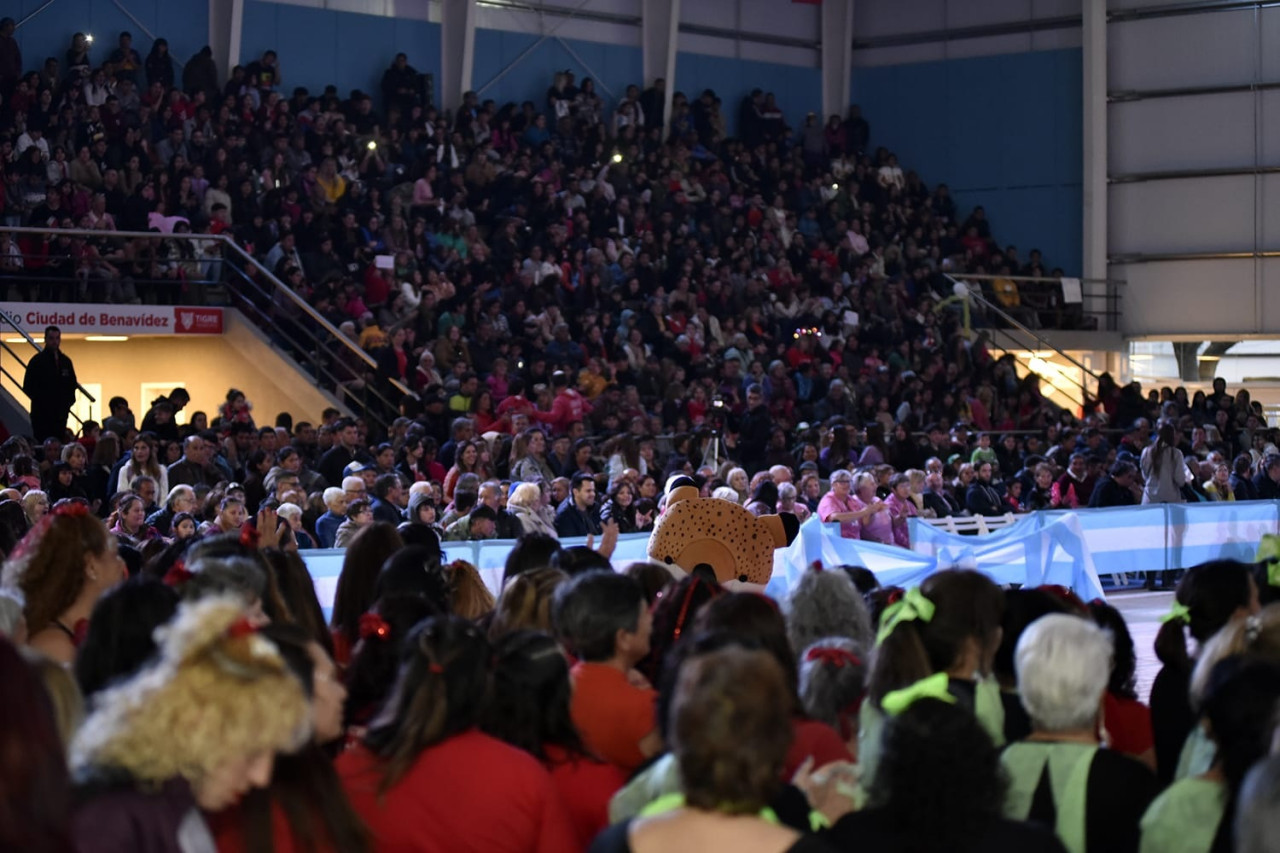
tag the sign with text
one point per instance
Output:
(33, 317)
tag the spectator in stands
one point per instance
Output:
(1164, 469)
(1266, 483)
(981, 498)
(577, 514)
(1117, 488)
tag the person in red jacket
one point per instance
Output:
(530, 710)
(426, 780)
(569, 406)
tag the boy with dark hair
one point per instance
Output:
(601, 616)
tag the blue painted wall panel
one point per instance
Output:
(798, 90)
(184, 23)
(319, 47)
(1004, 132)
(613, 67)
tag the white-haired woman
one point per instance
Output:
(524, 504)
(843, 506)
(1060, 776)
(292, 513)
(788, 501)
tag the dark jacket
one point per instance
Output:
(384, 511)
(1243, 488)
(184, 472)
(1266, 488)
(50, 381)
(941, 504)
(1110, 493)
(120, 817)
(983, 499)
(571, 521)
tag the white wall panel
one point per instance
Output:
(871, 57)
(989, 46)
(803, 57)
(1057, 39)
(1191, 297)
(1194, 215)
(1055, 8)
(873, 18)
(1192, 50)
(794, 20)
(987, 12)
(1200, 132)
(1269, 212)
(706, 45)
(517, 21)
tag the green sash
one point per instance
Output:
(1198, 753)
(1068, 765)
(1185, 818)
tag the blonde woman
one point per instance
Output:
(192, 733)
(524, 503)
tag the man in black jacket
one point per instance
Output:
(754, 430)
(936, 497)
(982, 497)
(50, 383)
(1117, 488)
(1267, 480)
(576, 516)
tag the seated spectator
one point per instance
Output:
(425, 775)
(1117, 488)
(603, 622)
(1063, 667)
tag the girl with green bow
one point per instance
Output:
(1208, 597)
(948, 628)
(1196, 814)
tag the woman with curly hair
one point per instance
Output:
(425, 777)
(191, 733)
(62, 567)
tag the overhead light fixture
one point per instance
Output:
(20, 340)
(1209, 358)
(106, 338)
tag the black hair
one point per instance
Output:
(673, 617)
(938, 784)
(1021, 608)
(590, 610)
(421, 535)
(120, 638)
(531, 551)
(578, 560)
(749, 615)
(1239, 703)
(441, 691)
(1212, 592)
(1124, 658)
(531, 696)
(375, 659)
(304, 784)
(414, 571)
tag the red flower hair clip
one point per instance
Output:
(373, 625)
(249, 536)
(178, 574)
(240, 628)
(816, 565)
(834, 657)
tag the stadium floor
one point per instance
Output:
(1142, 610)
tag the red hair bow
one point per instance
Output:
(249, 536)
(373, 625)
(240, 628)
(834, 657)
(178, 574)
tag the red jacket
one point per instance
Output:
(569, 408)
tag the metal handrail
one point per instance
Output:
(5, 318)
(981, 300)
(17, 383)
(226, 241)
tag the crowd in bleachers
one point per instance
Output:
(585, 300)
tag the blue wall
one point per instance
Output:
(319, 47)
(613, 67)
(798, 90)
(184, 23)
(1004, 132)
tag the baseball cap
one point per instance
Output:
(356, 467)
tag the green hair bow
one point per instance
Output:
(913, 606)
(1273, 573)
(1178, 612)
(933, 687)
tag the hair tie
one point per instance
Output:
(240, 628)
(914, 606)
(816, 565)
(833, 656)
(934, 687)
(1273, 573)
(435, 668)
(249, 536)
(1178, 612)
(1252, 628)
(178, 574)
(373, 625)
